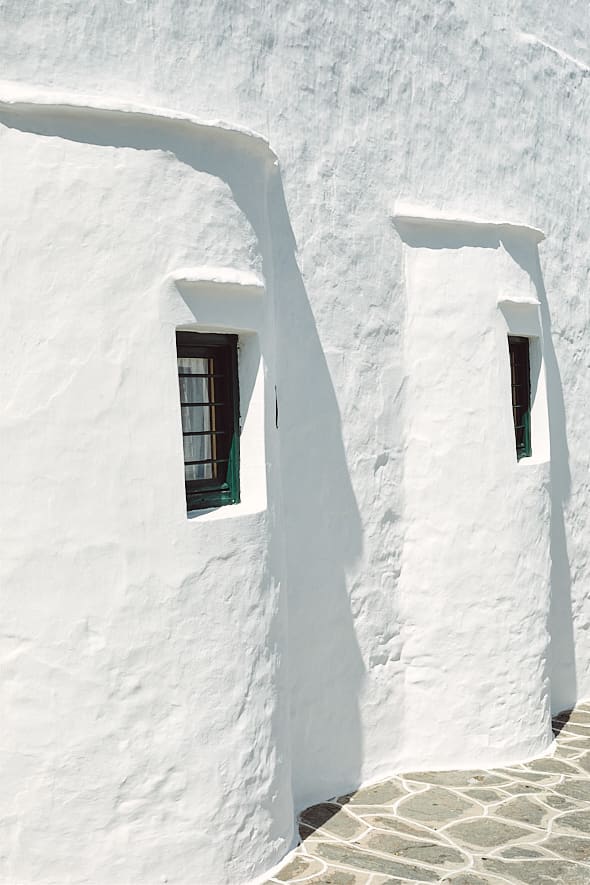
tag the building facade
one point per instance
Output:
(366, 205)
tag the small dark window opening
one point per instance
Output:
(520, 376)
(209, 406)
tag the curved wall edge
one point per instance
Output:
(26, 99)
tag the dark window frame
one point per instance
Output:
(223, 409)
(520, 385)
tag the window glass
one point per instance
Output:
(520, 378)
(208, 385)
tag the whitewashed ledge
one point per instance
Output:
(28, 100)
(406, 213)
(518, 299)
(220, 276)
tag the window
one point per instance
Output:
(209, 406)
(520, 375)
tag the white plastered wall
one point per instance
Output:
(143, 685)
(475, 592)
(175, 687)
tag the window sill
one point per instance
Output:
(226, 511)
(533, 461)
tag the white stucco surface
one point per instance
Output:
(394, 589)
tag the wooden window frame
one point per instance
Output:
(520, 385)
(221, 350)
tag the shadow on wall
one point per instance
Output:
(316, 525)
(322, 536)
(562, 659)
(523, 249)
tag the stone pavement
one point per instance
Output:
(523, 824)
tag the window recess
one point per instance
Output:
(520, 377)
(209, 407)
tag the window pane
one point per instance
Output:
(198, 471)
(521, 393)
(207, 370)
(196, 418)
(196, 448)
(194, 390)
(194, 365)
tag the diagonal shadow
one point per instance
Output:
(317, 816)
(560, 720)
(322, 538)
(562, 659)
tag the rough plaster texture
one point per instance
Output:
(394, 590)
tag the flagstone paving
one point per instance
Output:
(522, 825)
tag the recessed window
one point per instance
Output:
(520, 376)
(209, 406)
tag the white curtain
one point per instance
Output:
(197, 418)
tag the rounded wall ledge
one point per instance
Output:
(27, 100)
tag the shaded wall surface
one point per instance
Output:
(395, 590)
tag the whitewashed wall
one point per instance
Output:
(394, 590)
